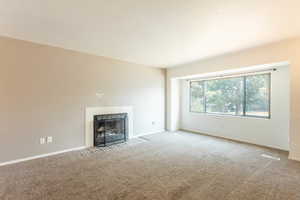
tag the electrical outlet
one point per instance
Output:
(42, 140)
(49, 139)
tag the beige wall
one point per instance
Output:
(288, 50)
(44, 91)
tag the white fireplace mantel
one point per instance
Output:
(89, 117)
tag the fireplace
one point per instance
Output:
(110, 129)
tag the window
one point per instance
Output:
(225, 96)
(197, 96)
(241, 96)
(257, 95)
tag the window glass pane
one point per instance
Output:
(225, 96)
(197, 96)
(257, 95)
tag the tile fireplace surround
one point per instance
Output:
(89, 117)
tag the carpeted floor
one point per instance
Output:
(157, 167)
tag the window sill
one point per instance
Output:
(229, 115)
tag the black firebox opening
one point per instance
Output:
(110, 129)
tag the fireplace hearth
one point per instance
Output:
(110, 129)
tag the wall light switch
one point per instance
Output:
(49, 139)
(42, 140)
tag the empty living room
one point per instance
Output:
(156, 100)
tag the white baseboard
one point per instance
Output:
(66, 150)
(40, 156)
(149, 133)
(232, 138)
(84, 147)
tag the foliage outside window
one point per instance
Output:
(197, 96)
(241, 96)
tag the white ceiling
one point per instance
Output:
(161, 33)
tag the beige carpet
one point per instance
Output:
(160, 166)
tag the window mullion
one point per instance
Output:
(245, 93)
(204, 95)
